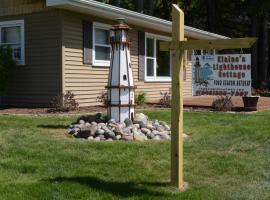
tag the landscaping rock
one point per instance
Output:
(85, 132)
(128, 122)
(140, 117)
(96, 128)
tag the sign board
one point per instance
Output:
(226, 75)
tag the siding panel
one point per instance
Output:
(87, 82)
(36, 83)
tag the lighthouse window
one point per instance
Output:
(101, 45)
(158, 63)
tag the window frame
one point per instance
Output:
(100, 63)
(14, 23)
(156, 78)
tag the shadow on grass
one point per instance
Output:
(52, 126)
(123, 189)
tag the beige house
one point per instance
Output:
(63, 45)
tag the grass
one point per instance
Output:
(227, 156)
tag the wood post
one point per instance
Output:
(177, 178)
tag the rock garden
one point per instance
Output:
(99, 128)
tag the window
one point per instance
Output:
(12, 36)
(157, 62)
(101, 45)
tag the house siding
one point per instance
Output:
(39, 80)
(87, 81)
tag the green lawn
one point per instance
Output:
(227, 156)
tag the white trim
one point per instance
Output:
(133, 18)
(13, 23)
(154, 78)
(100, 63)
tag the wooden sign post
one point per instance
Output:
(178, 47)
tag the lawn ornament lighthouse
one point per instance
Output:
(120, 86)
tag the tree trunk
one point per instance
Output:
(140, 6)
(254, 50)
(151, 7)
(211, 23)
(263, 70)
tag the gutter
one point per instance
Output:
(112, 12)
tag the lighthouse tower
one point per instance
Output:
(121, 100)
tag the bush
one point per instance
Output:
(7, 66)
(64, 103)
(166, 99)
(222, 103)
(103, 98)
(140, 98)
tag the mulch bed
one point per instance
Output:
(190, 103)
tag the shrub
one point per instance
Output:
(166, 99)
(7, 66)
(140, 98)
(103, 98)
(222, 103)
(64, 103)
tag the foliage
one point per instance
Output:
(103, 98)
(40, 161)
(140, 98)
(222, 103)
(166, 99)
(64, 103)
(7, 66)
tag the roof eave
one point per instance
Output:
(131, 17)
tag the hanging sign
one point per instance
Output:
(226, 75)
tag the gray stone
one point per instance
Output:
(100, 132)
(90, 138)
(126, 130)
(145, 130)
(97, 139)
(128, 122)
(72, 126)
(109, 140)
(85, 132)
(167, 127)
(70, 131)
(136, 126)
(109, 134)
(91, 118)
(140, 117)
(160, 128)
(101, 124)
(155, 132)
(81, 122)
(127, 137)
(156, 137)
(122, 124)
(118, 130)
(142, 124)
(102, 137)
(112, 121)
(155, 123)
(150, 126)
(138, 137)
(118, 137)
(93, 130)
(93, 123)
(165, 137)
(150, 135)
(162, 123)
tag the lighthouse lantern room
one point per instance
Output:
(121, 100)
